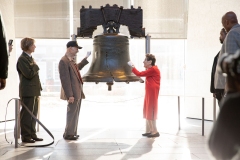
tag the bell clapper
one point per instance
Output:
(109, 85)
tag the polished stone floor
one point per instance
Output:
(111, 131)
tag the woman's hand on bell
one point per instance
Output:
(131, 64)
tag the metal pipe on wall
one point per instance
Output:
(179, 123)
(214, 109)
(202, 116)
(17, 119)
(147, 44)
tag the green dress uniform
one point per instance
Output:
(29, 92)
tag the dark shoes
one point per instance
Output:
(28, 140)
(37, 139)
(149, 135)
(33, 140)
(70, 137)
(146, 134)
(154, 135)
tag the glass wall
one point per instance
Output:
(169, 55)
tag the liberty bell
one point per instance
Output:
(110, 49)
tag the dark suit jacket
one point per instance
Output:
(29, 85)
(212, 89)
(71, 83)
(3, 53)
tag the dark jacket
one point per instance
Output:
(3, 53)
(29, 85)
(212, 89)
(224, 140)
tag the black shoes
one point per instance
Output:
(28, 140)
(146, 134)
(154, 135)
(33, 140)
(70, 137)
(149, 135)
(37, 139)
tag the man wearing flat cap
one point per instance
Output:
(72, 87)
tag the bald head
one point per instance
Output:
(229, 20)
(231, 16)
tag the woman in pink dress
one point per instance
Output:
(152, 86)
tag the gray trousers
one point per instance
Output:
(73, 110)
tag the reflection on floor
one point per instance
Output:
(112, 131)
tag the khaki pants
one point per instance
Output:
(73, 110)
